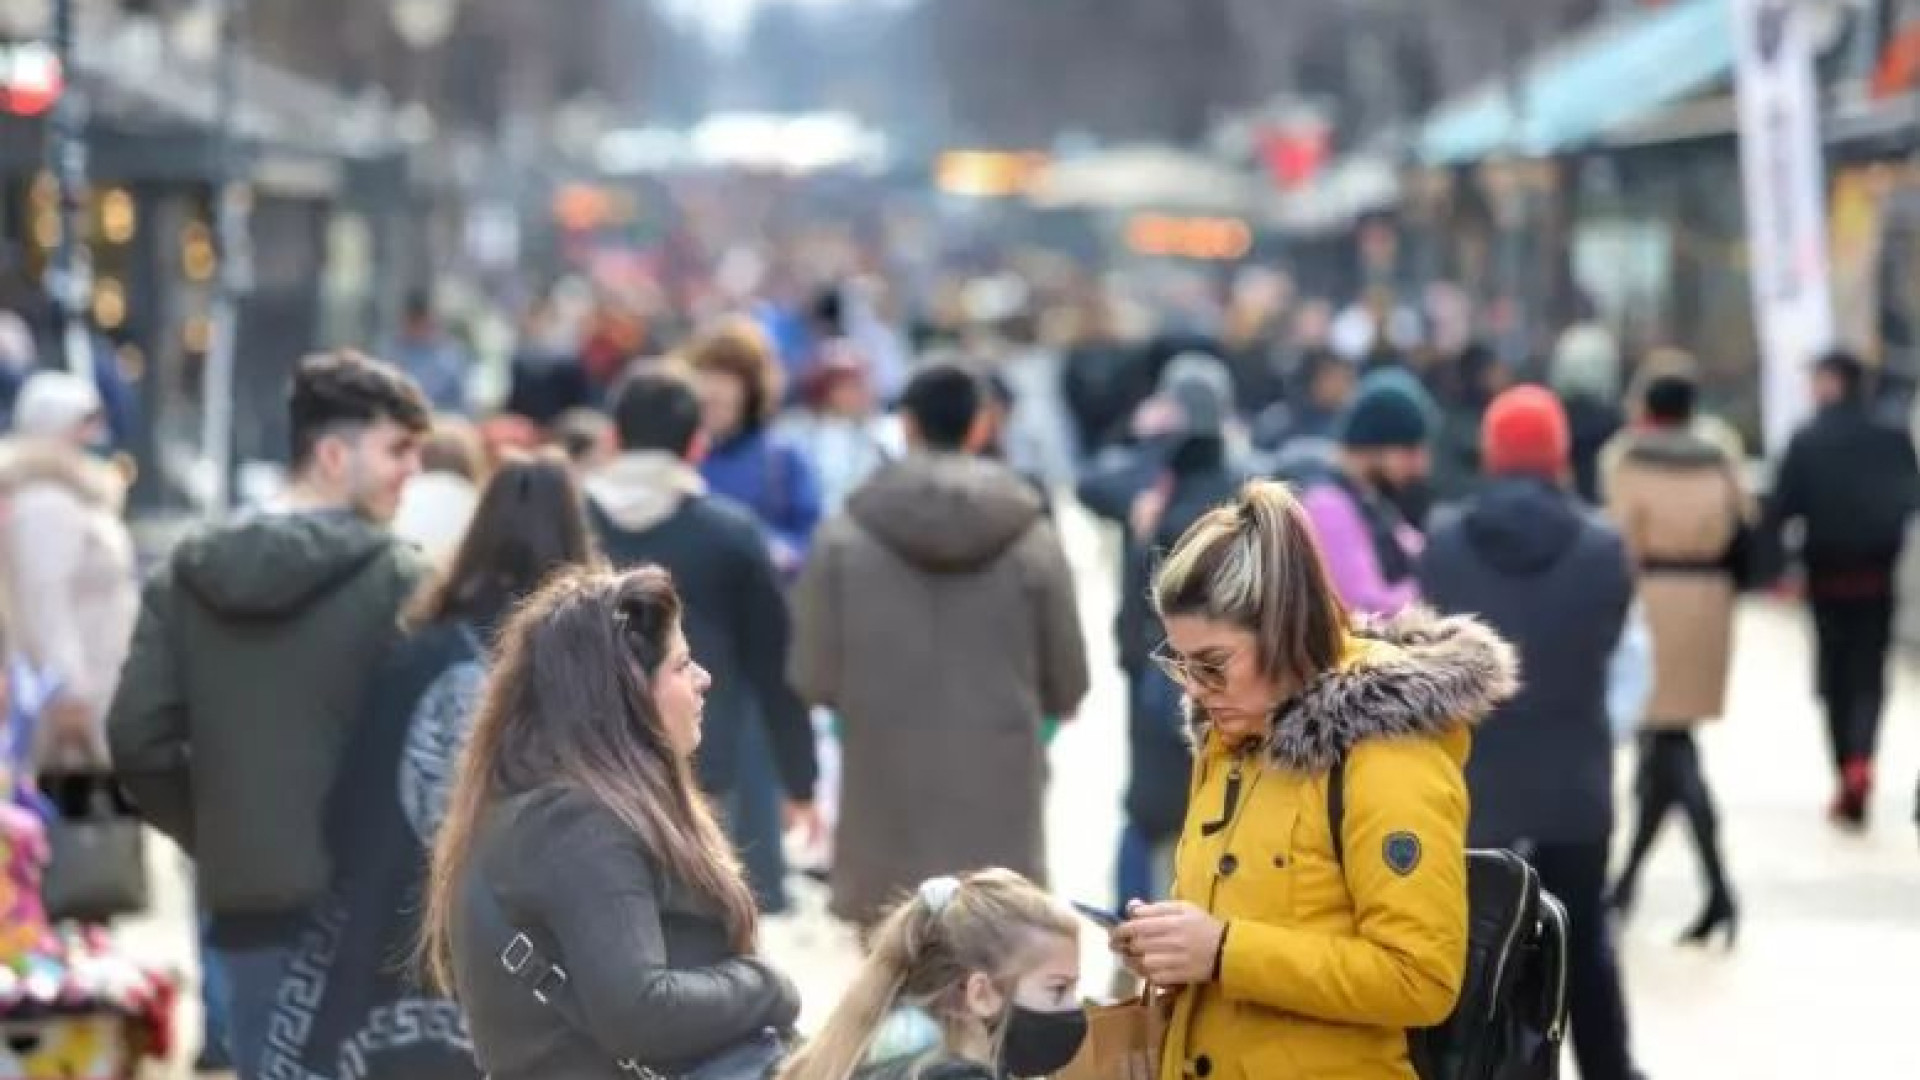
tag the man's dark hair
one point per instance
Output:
(1671, 399)
(828, 312)
(348, 389)
(580, 432)
(943, 400)
(419, 305)
(1847, 368)
(656, 410)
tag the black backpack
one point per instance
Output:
(1511, 1018)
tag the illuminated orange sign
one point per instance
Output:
(1209, 238)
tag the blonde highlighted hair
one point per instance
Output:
(921, 956)
(1254, 563)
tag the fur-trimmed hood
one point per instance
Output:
(27, 460)
(1417, 674)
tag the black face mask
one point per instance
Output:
(1042, 1043)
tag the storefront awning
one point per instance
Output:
(1620, 70)
(135, 85)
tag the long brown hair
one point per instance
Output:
(739, 349)
(921, 955)
(569, 704)
(530, 522)
(1254, 563)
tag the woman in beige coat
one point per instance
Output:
(1677, 498)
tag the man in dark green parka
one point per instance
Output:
(250, 665)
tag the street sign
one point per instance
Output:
(30, 78)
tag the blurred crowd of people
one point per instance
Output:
(873, 621)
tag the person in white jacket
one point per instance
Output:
(841, 431)
(67, 561)
(438, 502)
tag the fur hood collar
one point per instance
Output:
(25, 460)
(1417, 674)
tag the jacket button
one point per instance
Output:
(1228, 864)
(1279, 862)
(1203, 1066)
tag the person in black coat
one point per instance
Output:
(584, 904)
(1852, 482)
(650, 505)
(1155, 490)
(1553, 578)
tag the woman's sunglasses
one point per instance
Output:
(1189, 673)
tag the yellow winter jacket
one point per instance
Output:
(1324, 969)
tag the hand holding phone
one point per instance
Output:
(1100, 917)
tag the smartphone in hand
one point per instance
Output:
(1100, 917)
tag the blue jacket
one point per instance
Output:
(776, 481)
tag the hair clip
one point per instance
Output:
(937, 893)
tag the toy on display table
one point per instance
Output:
(71, 1005)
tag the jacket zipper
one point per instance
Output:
(1234, 776)
(1226, 844)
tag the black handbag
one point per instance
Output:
(98, 869)
(757, 1057)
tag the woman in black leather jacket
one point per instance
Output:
(584, 906)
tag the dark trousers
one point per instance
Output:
(754, 821)
(1669, 778)
(1577, 875)
(1853, 636)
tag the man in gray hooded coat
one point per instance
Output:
(936, 616)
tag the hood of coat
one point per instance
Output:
(1522, 526)
(946, 512)
(1415, 674)
(1674, 448)
(640, 489)
(44, 461)
(274, 566)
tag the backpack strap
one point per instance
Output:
(1337, 808)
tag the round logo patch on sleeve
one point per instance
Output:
(1401, 851)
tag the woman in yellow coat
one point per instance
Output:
(1284, 961)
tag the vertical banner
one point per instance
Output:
(1780, 161)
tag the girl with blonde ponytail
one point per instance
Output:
(974, 979)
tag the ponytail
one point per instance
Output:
(1255, 563)
(841, 1046)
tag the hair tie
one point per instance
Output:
(937, 893)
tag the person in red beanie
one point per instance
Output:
(1551, 576)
